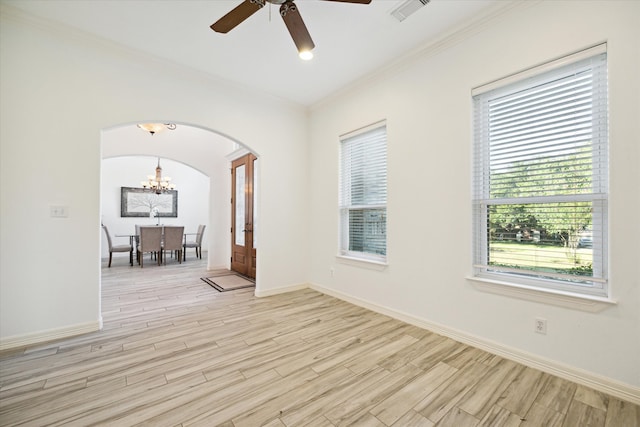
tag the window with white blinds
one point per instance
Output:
(541, 177)
(363, 194)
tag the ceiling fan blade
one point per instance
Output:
(353, 1)
(232, 19)
(295, 25)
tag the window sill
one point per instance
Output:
(362, 262)
(588, 303)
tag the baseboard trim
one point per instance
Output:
(612, 387)
(281, 290)
(17, 341)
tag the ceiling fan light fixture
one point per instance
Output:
(305, 55)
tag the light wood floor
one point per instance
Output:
(175, 352)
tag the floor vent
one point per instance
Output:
(408, 7)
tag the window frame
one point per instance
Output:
(344, 226)
(595, 288)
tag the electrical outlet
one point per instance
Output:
(331, 270)
(540, 326)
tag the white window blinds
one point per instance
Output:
(363, 194)
(540, 178)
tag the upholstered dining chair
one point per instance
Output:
(137, 244)
(197, 243)
(173, 237)
(150, 241)
(116, 248)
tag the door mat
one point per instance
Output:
(228, 282)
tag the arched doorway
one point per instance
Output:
(201, 149)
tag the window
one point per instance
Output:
(541, 177)
(363, 194)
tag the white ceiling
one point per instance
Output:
(352, 40)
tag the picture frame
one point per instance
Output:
(140, 202)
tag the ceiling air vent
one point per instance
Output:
(408, 7)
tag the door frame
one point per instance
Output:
(243, 256)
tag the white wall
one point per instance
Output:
(193, 198)
(60, 89)
(427, 105)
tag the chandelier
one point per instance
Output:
(157, 183)
(154, 128)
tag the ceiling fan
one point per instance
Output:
(290, 16)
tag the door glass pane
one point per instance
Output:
(255, 204)
(240, 204)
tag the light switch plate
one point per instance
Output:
(59, 211)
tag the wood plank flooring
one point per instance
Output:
(175, 352)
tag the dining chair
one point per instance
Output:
(150, 241)
(117, 248)
(173, 237)
(195, 244)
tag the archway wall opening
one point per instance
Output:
(53, 118)
(194, 158)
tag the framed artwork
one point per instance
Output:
(138, 202)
